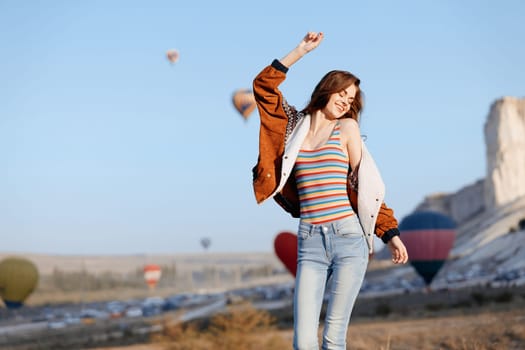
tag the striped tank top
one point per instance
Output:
(321, 177)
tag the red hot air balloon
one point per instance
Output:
(152, 275)
(428, 237)
(244, 102)
(285, 245)
(172, 55)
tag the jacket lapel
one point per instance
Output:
(370, 194)
(291, 150)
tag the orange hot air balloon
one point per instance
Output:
(244, 101)
(172, 55)
(152, 275)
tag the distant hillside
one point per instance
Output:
(96, 264)
(70, 278)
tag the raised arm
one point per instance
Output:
(310, 41)
(270, 101)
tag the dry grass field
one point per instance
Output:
(470, 320)
(486, 330)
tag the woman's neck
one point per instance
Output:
(319, 121)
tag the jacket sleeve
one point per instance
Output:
(386, 225)
(272, 131)
(269, 98)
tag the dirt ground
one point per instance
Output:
(483, 331)
(502, 330)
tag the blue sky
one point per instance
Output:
(106, 148)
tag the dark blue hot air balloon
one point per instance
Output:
(428, 237)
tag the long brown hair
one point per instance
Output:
(333, 82)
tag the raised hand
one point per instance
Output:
(311, 40)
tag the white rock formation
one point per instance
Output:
(505, 178)
(505, 145)
(461, 205)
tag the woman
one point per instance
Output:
(315, 165)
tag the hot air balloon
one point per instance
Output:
(172, 55)
(285, 245)
(244, 101)
(18, 279)
(152, 275)
(205, 242)
(428, 237)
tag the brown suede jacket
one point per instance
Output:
(277, 120)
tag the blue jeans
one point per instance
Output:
(335, 250)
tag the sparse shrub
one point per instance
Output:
(182, 337)
(383, 309)
(283, 317)
(515, 334)
(479, 298)
(435, 307)
(504, 297)
(462, 304)
(241, 328)
(236, 330)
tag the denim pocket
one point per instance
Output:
(349, 227)
(303, 233)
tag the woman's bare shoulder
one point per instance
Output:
(349, 126)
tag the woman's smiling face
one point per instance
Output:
(339, 103)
